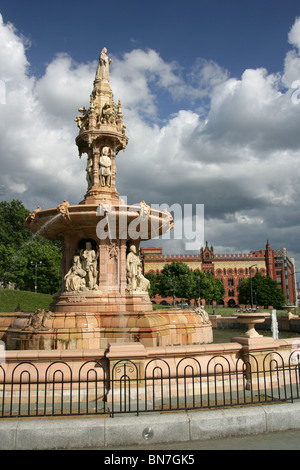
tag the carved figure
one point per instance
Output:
(32, 216)
(113, 250)
(204, 315)
(82, 121)
(89, 171)
(63, 209)
(89, 265)
(143, 284)
(105, 167)
(132, 264)
(145, 209)
(103, 66)
(75, 277)
(107, 115)
(38, 319)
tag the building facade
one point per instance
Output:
(231, 269)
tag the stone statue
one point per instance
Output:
(89, 171)
(145, 209)
(88, 259)
(107, 115)
(203, 314)
(82, 121)
(113, 250)
(143, 284)
(63, 208)
(75, 277)
(38, 319)
(105, 167)
(103, 66)
(132, 267)
(32, 216)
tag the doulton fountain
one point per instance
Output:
(101, 347)
(104, 295)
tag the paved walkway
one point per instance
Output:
(259, 427)
(288, 440)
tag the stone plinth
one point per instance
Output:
(92, 330)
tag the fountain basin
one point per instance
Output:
(89, 330)
(53, 223)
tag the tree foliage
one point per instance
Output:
(178, 281)
(19, 248)
(265, 291)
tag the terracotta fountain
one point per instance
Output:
(104, 295)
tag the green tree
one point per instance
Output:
(218, 292)
(154, 283)
(265, 291)
(177, 281)
(18, 247)
(12, 217)
(208, 287)
(202, 285)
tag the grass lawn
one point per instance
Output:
(28, 301)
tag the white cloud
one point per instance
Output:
(13, 64)
(292, 59)
(240, 159)
(134, 75)
(294, 34)
(65, 81)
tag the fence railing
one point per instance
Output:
(126, 387)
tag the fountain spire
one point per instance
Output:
(101, 137)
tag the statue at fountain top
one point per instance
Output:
(103, 66)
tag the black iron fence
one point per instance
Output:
(130, 386)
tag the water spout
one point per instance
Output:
(274, 325)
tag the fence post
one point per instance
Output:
(125, 375)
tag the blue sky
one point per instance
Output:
(206, 89)
(236, 34)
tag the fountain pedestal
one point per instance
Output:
(251, 319)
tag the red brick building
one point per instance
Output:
(231, 269)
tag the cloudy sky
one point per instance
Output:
(209, 90)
